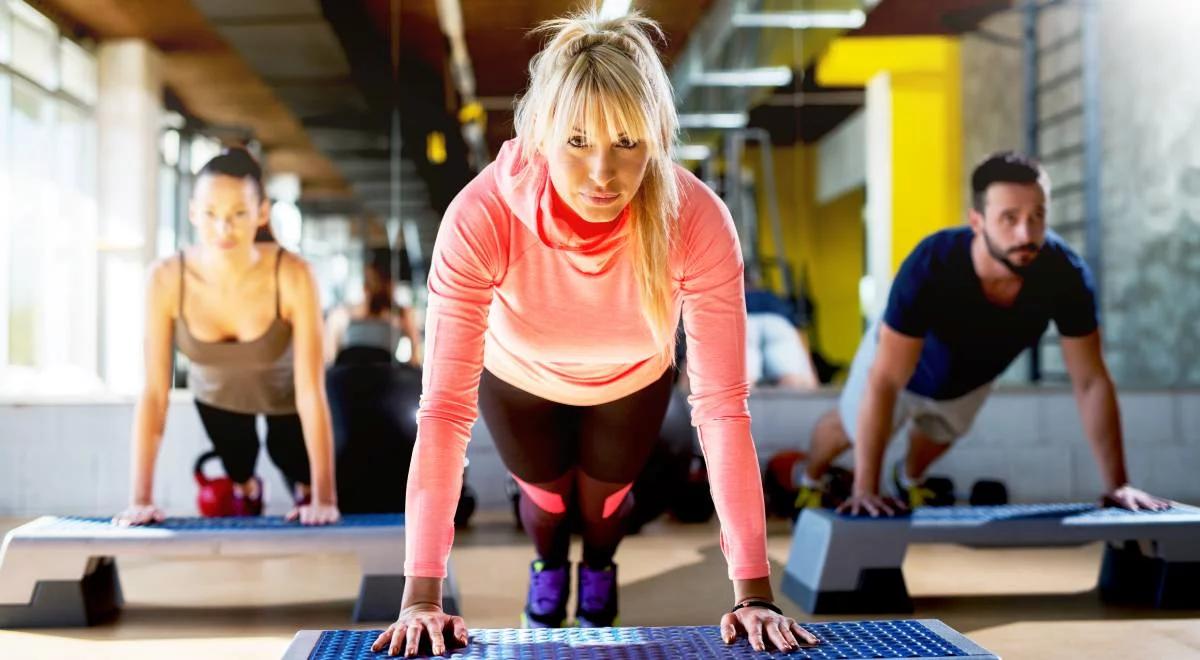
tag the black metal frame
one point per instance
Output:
(1087, 36)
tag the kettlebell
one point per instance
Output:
(215, 499)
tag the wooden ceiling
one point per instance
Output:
(215, 83)
(207, 76)
(901, 17)
(497, 38)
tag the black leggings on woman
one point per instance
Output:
(235, 438)
(574, 456)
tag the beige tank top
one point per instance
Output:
(253, 376)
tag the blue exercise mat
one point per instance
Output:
(189, 524)
(994, 513)
(865, 639)
(1002, 511)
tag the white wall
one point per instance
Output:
(73, 458)
(842, 159)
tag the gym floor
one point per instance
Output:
(1025, 603)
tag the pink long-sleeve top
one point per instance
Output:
(554, 311)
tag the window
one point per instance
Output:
(5, 203)
(34, 45)
(48, 226)
(31, 118)
(79, 76)
(5, 34)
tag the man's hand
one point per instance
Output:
(1134, 499)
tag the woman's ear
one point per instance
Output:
(264, 212)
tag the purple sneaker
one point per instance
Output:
(597, 606)
(546, 605)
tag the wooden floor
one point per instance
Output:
(1017, 603)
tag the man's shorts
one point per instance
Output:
(942, 421)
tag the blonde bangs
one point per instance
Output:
(599, 99)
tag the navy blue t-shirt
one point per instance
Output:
(969, 341)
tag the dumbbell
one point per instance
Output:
(989, 492)
(943, 491)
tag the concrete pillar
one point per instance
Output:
(914, 143)
(874, 287)
(128, 118)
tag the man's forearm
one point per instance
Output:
(1097, 401)
(874, 425)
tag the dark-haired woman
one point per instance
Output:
(376, 322)
(247, 316)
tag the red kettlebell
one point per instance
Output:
(215, 499)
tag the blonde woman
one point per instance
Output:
(558, 278)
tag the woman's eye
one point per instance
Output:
(577, 141)
(627, 143)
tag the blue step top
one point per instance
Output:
(197, 524)
(862, 639)
(1083, 512)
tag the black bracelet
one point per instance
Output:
(753, 602)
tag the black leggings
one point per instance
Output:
(235, 438)
(564, 456)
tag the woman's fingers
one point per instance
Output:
(785, 629)
(434, 626)
(460, 630)
(803, 633)
(413, 639)
(728, 628)
(381, 642)
(315, 515)
(139, 515)
(774, 632)
(762, 625)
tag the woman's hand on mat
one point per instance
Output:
(760, 624)
(139, 514)
(1134, 499)
(872, 504)
(421, 620)
(315, 514)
